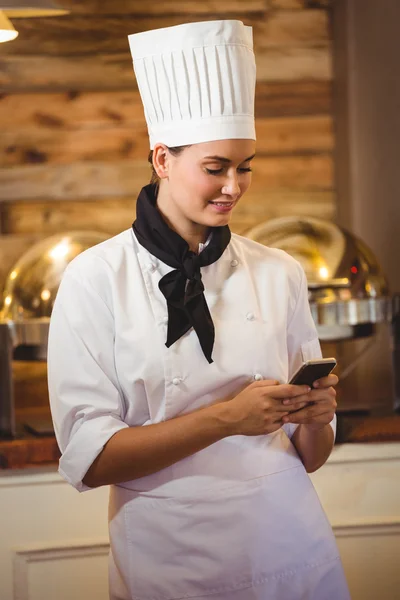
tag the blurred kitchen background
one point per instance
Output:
(74, 142)
(73, 157)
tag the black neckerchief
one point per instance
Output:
(183, 288)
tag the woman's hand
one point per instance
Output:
(322, 408)
(259, 408)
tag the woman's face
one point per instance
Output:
(207, 180)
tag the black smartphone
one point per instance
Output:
(311, 370)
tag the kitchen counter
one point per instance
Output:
(30, 450)
(368, 428)
(31, 399)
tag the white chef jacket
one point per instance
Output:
(239, 519)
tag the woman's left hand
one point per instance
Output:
(321, 404)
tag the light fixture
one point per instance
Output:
(7, 31)
(31, 8)
(24, 9)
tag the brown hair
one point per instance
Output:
(175, 151)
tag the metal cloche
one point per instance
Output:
(32, 284)
(347, 288)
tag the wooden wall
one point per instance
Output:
(73, 140)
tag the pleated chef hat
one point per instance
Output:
(196, 82)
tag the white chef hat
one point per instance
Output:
(196, 82)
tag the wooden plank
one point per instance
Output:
(76, 180)
(126, 177)
(115, 72)
(58, 73)
(66, 111)
(294, 135)
(62, 147)
(287, 4)
(115, 215)
(321, 4)
(303, 172)
(78, 35)
(28, 146)
(167, 7)
(101, 110)
(105, 215)
(293, 98)
(293, 28)
(294, 64)
(300, 4)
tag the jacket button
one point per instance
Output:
(258, 377)
(234, 263)
(152, 265)
(250, 316)
(176, 380)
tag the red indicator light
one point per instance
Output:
(354, 270)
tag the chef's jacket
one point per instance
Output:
(239, 519)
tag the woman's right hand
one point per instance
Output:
(258, 409)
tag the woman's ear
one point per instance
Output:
(160, 160)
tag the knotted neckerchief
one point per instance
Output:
(183, 288)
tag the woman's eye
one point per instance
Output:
(214, 171)
(219, 171)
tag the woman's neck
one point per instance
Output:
(193, 233)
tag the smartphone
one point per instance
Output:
(311, 370)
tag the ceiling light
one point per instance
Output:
(31, 8)
(7, 31)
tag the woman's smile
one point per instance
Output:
(223, 207)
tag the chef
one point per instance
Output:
(169, 351)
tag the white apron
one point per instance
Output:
(263, 539)
(240, 519)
